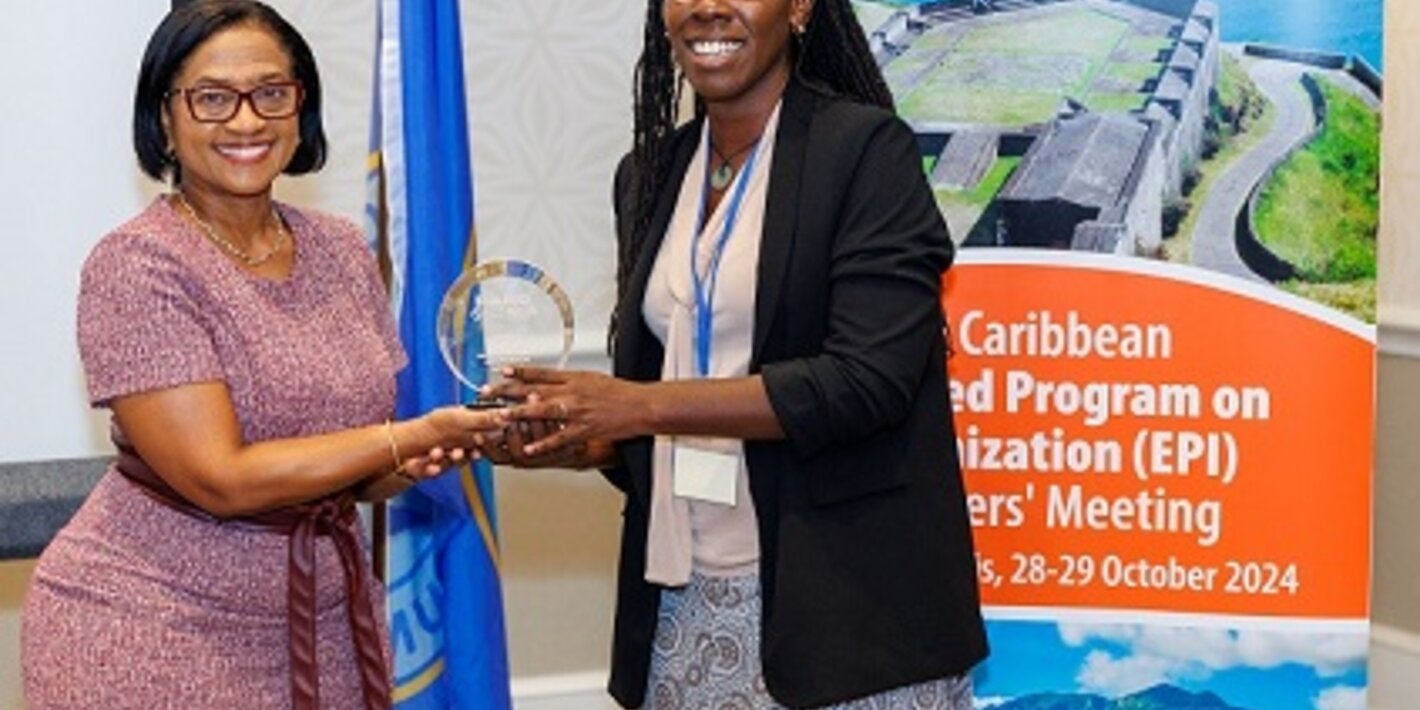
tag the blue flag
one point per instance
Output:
(445, 601)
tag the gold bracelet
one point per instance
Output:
(394, 449)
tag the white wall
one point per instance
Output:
(67, 68)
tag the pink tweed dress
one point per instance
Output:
(135, 605)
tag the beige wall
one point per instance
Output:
(13, 578)
(559, 536)
(1397, 576)
(1400, 182)
(1397, 497)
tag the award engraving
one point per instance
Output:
(499, 313)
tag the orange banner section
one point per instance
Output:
(1145, 439)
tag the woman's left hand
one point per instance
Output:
(412, 472)
(433, 463)
(575, 407)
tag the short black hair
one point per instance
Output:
(185, 28)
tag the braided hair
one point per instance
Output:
(832, 52)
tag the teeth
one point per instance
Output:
(243, 152)
(715, 48)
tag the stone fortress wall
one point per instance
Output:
(1074, 187)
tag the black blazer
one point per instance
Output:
(867, 566)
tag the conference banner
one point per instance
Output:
(1161, 322)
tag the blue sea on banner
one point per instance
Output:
(1340, 26)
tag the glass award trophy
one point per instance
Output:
(500, 313)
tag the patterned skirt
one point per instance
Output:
(706, 656)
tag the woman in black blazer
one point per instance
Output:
(857, 580)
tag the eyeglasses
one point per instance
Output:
(219, 104)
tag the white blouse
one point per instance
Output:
(714, 539)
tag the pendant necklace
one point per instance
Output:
(721, 177)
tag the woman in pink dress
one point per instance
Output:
(248, 355)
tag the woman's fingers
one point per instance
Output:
(552, 410)
(510, 390)
(493, 445)
(518, 436)
(524, 382)
(566, 437)
(435, 462)
(411, 469)
(534, 375)
(520, 382)
(486, 419)
(565, 457)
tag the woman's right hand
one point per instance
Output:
(445, 437)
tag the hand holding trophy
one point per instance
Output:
(499, 313)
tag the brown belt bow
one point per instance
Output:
(333, 517)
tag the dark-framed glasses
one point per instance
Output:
(219, 104)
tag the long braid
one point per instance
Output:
(655, 97)
(656, 92)
(835, 53)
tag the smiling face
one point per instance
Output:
(240, 157)
(734, 51)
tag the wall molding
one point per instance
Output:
(568, 691)
(1399, 337)
(1396, 639)
(1395, 654)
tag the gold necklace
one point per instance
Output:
(233, 249)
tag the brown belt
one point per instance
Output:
(333, 517)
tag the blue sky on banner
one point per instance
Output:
(445, 602)
(1082, 664)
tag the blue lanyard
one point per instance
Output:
(705, 296)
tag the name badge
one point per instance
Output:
(704, 474)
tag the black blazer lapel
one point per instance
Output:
(781, 209)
